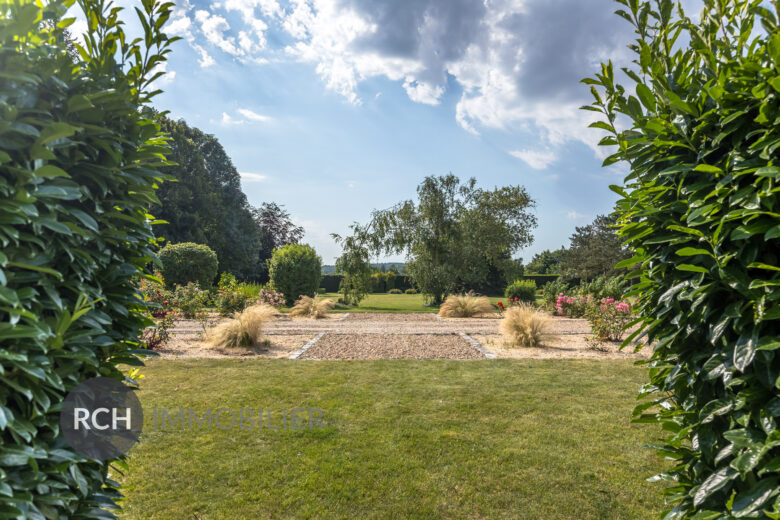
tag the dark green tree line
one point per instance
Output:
(206, 205)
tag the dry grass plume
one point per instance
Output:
(523, 326)
(307, 307)
(242, 330)
(465, 306)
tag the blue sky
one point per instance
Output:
(334, 108)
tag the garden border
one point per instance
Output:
(307, 346)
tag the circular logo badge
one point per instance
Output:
(101, 418)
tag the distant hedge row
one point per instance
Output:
(379, 284)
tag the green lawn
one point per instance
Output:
(383, 302)
(537, 439)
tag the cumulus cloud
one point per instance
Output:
(514, 63)
(536, 159)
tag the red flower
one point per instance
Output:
(500, 305)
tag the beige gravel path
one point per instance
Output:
(387, 335)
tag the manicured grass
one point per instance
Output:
(383, 302)
(431, 439)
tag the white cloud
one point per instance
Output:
(253, 116)
(253, 177)
(517, 63)
(421, 92)
(247, 116)
(536, 159)
(214, 28)
(204, 58)
(573, 215)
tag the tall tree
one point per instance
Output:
(277, 230)
(454, 235)
(546, 262)
(207, 205)
(595, 249)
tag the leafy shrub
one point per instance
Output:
(521, 290)
(190, 299)
(244, 330)
(603, 287)
(551, 291)
(230, 297)
(162, 310)
(295, 271)
(700, 208)
(573, 306)
(395, 291)
(464, 306)
(270, 297)
(608, 319)
(377, 283)
(411, 290)
(188, 262)
(79, 155)
(307, 307)
(523, 325)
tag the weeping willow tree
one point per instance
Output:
(455, 237)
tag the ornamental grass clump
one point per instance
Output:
(242, 331)
(308, 307)
(523, 326)
(464, 306)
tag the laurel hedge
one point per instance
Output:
(700, 208)
(78, 167)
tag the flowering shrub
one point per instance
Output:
(608, 319)
(231, 296)
(190, 299)
(270, 297)
(162, 309)
(572, 306)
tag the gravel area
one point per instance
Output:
(559, 347)
(187, 335)
(391, 346)
(395, 335)
(391, 317)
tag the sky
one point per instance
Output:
(334, 108)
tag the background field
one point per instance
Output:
(403, 439)
(383, 302)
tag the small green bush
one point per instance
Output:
(523, 290)
(231, 296)
(190, 299)
(551, 291)
(411, 290)
(295, 271)
(395, 291)
(188, 262)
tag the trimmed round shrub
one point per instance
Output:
(523, 290)
(395, 291)
(188, 262)
(411, 290)
(295, 271)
